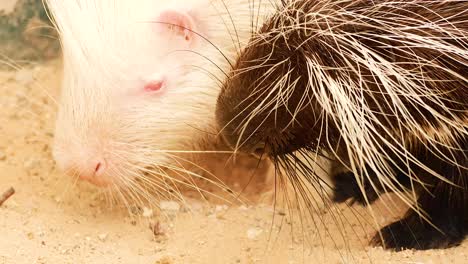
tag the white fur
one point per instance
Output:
(110, 48)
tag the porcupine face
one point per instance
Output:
(124, 106)
(134, 99)
(262, 110)
(140, 85)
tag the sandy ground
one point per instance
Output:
(49, 221)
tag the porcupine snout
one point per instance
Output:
(253, 120)
(90, 169)
(230, 124)
(83, 160)
(247, 129)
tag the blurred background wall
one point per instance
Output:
(26, 34)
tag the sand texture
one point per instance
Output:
(50, 219)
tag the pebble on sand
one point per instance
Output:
(31, 163)
(102, 237)
(253, 233)
(147, 212)
(169, 206)
(220, 208)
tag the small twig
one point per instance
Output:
(6, 195)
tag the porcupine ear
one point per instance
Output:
(179, 24)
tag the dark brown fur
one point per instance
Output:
(296, 123)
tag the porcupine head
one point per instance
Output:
(137, 87)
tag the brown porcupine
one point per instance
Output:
(382, 87)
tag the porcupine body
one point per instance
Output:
(381, 86)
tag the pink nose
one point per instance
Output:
(94, 172)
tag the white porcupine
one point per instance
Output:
(140, 84)
(382, 87)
